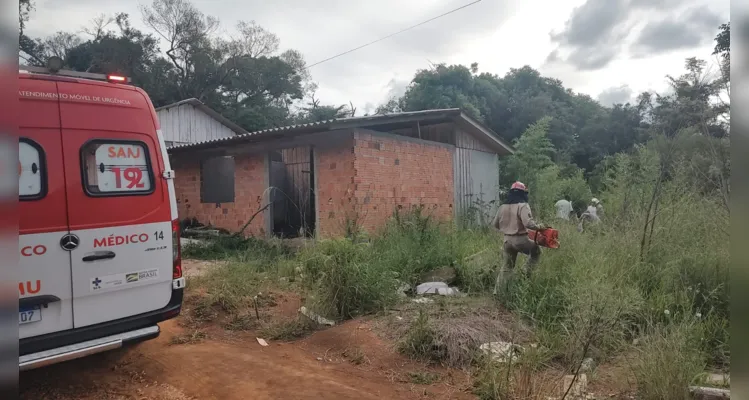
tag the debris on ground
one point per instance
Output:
(502, 351)
(315, 317)
(422, 300)
(262, 342)
(707, 393)
(578, 389)
(718, 379)
(184, 242)
(204, 233)
(440, 288)
(403, 290)
(444, 274)
(587, 365)
(195, 268)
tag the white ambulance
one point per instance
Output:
(99, 236)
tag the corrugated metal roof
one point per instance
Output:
(452, 114)
(208, 110)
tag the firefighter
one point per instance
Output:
(513, 219)
(564, 208)
(591, 215)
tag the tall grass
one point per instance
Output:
(353, 278)
(659, 259)
(655, 270)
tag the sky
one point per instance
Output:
(609, 49)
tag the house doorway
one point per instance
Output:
(292, 192)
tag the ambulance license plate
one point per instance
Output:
(27, 315)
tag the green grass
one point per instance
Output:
(423, 377)
(592, 297)
(190, 337)
(669, 360)
(288, 330)
(655, 271)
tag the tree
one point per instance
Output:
(242, 77)
(187, 32)
(315, 112)
(533, 152)
(723, 51)
(510, 104)
(692, 103)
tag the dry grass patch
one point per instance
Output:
(451, 330)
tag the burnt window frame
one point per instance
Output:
(233, 183)
(124, 193)
(42, 169)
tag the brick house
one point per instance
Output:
(326, 177)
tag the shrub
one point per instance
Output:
(669, 360)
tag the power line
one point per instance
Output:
(392, 34)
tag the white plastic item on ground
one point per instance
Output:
(262, 342)
(317, 318)
(501, 351)
(436, 288)
(184, 242)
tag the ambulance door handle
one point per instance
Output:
(99, 255)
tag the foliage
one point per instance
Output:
(547, 182)
(246, 77)
(655, 269)
(661, 253)
(261, 253)
(252, 81)
(421, 341)
(288, 330)
(669, 360)
(583, 131)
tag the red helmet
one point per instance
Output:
(519, 185)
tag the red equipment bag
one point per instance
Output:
(547, 238)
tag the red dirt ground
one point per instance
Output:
(231, 365)
(242, 369)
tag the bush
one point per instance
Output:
(669, 360)
(349, 283)
(353, 279)
(661, 252)
(420, 341)
(262, 253)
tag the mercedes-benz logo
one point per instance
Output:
(69, 242)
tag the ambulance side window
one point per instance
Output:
(32, 173)
(116, 168)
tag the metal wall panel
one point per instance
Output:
(476, 176)
(466, 141)
(187, 124)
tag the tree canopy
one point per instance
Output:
(581, 129)
(250, 79)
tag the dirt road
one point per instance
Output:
(238, 367)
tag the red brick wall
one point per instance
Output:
(361, 179)
(335, 185)
(249, 184)
(399, 173)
